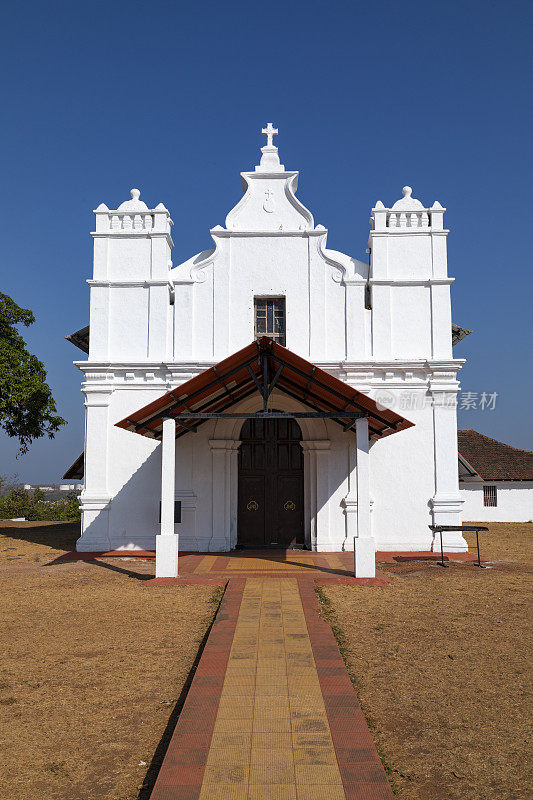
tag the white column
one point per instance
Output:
(447, 502)
(310, 492)
(441, 322)
(317, 301)
(217, 541)
(233, 457)
(158, 323)
(95, 498)
(323, 532)
(355, 320)
(308, 516)
(364, 544)
(224, 494)
(184, 320)
(381, 322)
(350, 501)
(317, 492)
(166, 544)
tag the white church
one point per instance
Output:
(269, 392)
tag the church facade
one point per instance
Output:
(381, 331)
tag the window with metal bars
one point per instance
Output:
(270, 318)
(490, 497)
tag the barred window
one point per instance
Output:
(270, 318)
(490, 498)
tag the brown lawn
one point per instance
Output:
(92, 665)
(442, 660)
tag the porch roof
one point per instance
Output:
(258, 368)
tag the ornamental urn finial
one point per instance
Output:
(408, 202)
(134, 204)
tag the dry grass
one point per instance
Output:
(92, 666)
(89, 675)
(441, 659)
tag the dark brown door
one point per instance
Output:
(271, 484)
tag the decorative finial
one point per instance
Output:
(270, 132)
(134, 204)
(407, 203)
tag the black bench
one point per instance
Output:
(441, 528)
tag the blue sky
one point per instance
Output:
(171, 97)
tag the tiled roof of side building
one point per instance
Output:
(494, 460)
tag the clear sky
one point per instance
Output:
(170, 97)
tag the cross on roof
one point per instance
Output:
(270, 132)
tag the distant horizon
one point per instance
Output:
(366, 100)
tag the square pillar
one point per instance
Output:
(224, 482)
(349, 503)
(317, 494)
(364, 544)
(95, 498)
(166, 543)
(447, 502)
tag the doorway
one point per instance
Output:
(271, 484)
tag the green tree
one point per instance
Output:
(17, 503)
(20, 502)
(70, 507)
(27, 408)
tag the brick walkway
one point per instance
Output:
(323, 567)
(213, 567)
(271, 713)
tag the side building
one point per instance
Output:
(495, 480)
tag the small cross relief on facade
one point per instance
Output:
(268, 204)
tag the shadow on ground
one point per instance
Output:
(58, 535)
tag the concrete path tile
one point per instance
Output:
(273, 792)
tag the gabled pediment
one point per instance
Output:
(270, 208)
(269, 204)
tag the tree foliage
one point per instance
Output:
(27, 408)
(15, 501)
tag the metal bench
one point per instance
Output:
(441, 528)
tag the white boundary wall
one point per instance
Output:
(515, 502)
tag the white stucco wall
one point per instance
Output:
(515, 502)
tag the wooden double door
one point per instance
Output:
(271, 484)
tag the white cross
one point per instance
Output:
(270, 132)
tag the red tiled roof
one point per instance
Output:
(238, 377)
(493, 460)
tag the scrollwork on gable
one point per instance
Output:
(236, 210)
(344, 268)
(291, 185)
(195, 268)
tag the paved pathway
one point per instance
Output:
(212, 568)
(326, 567)
(271, 713)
